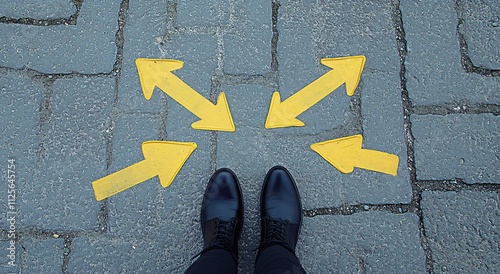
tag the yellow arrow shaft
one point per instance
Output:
(313, 93)
(184, 94)
(122, 179)
(377, 161)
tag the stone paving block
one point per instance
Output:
(356, 27)
(117, 255)
(200, 13)
(135, 207)
(462, 228)
(199, 54)
(34, 9)
(370, 242)
(73, 152)
(19, 128)
(247, 45)
(11, 264)
(434, 73)
(383, 131)
(88, 47)
(482, 20)
(457, 146)
(299, 65)
(42, 256)
(143, 34)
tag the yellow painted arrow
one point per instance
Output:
(344, 70)
(346, 153)
(158, 72)
(162, 159)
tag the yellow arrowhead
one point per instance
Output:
(279, 115)
(344, 70)
(348, 69)
(158, 73)
(162, 159)
(152, 69)
(346, 153)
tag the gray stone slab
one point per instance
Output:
(482, 21)
(462, 228)
(135, 207)
(42, 256)
(247, 45)
(36, 10)
(73, 152)
(202, 13)
(20, 101)
(355, 27)
(434, 73)
(457, 146)
(371, 242)
(143, 34)
(382, 131)
(113, 254)
(10, 256)
(88, 47)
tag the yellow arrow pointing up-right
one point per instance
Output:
(344, 70)
(162, 159)
(346, 153)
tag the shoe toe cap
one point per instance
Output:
(280, 197)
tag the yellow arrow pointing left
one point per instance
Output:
(162, 159)
(346, 153)
(158, 72)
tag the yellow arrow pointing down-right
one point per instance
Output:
(158, 72)
(346, 153)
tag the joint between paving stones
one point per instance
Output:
(347, 209)
(416, 199)
(68, 239)
(71, 20)
(457, 108)
(456, 185)
(465, 60)
(274, 40)
(170, 20)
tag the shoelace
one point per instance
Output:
(275, 234)
(221, 236)
(275, 230)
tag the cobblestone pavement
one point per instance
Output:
(72, 111)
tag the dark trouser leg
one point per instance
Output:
(214, 261)
(276, 259)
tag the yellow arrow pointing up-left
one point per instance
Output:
(162, 159)
(158, 72)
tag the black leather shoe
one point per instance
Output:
(222, 212)
(280, 210)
